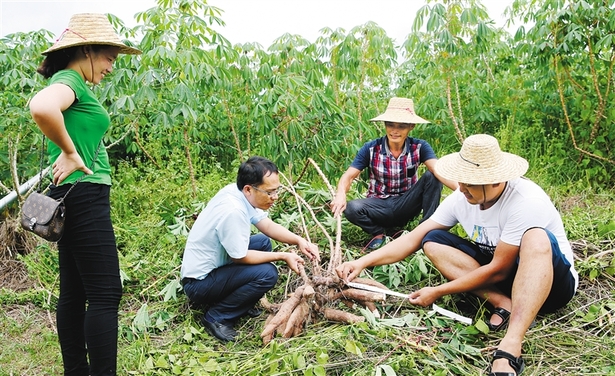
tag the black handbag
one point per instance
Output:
(43, 215)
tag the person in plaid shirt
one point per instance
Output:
(396, 194)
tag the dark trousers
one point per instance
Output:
(375, 215)
(231, 290)
(90, 286)
(562, 289)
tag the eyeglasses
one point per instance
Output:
(272, 193)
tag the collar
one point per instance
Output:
(386, 151)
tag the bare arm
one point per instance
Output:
(392, 252)
(430, 164)
(282, 234)
(259, 257)
(338, 205)
(46, 108)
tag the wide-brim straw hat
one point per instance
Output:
(400, 110)
(481, 162)
(90, 28)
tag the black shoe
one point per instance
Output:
(254, 312)
(221, 331)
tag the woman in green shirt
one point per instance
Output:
(73, 119)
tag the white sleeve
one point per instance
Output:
(234, 239)
(445, 213)
(525, 214)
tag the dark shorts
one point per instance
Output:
(562, 289)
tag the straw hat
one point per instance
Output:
(481, 162)
(90, 28)
(400, 110)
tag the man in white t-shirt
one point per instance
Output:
(517, 258)
(224, 267)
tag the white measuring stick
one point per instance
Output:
(376, 289)
(452, 315)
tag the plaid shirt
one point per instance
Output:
(390, 176)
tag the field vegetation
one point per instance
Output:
(193, 106)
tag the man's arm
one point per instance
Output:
(258, 257)
(431, 166)
(498, 269)
(338, 205)
(282, 234)
(392, 252)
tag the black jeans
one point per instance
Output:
(375, 215)
(90, 286)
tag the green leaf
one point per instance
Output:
(142, 321)
(388, 370)
(170, 290)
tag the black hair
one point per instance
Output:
(252, 171)
(55, 61)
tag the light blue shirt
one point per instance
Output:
(220, 233)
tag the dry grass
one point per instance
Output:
(577, 340)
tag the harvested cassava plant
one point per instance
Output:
(322, 292)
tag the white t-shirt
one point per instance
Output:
(221, 232)
(523, 205)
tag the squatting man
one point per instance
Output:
(517, 258)
(224, 268)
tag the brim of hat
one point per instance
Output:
(124, 49)
(400, 117)
(453, 167)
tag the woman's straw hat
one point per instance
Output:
(90, 28)
(400, 110)
(481, 162)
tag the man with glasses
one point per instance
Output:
(396, 194)
(225, 268)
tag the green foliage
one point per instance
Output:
(187, 111)
(410, 271)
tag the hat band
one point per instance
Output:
(411, 111)
(64, 32)
(465, 160)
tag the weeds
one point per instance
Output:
(161, 335)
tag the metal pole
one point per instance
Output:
(22, 189)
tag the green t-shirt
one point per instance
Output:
(86, 121)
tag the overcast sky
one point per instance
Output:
(259, 21)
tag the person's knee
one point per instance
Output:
(535, 243)
(433, 250)
(431, 180)
(266, 245)
(268, 275)
(108, 295)
(434, 241)
(260, 242)
(352, 210)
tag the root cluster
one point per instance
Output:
(319, 293)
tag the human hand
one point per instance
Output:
(338, 205)
(66, 164)
(424, 296)
(309, 249)
(348, 270)
(293, 261)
